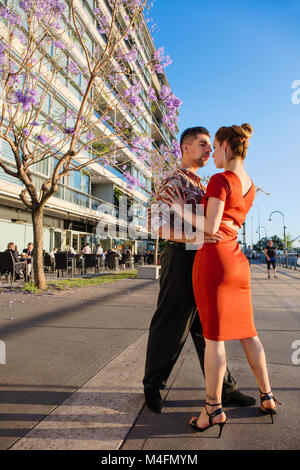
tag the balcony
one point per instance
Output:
(162, 132)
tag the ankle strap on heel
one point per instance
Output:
(215, 413)
(268, 396)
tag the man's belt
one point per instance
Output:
(177, 244)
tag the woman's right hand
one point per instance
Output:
(216, 237)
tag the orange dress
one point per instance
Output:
(221, 272)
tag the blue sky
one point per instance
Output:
(235, 62)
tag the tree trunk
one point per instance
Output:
(38, 235)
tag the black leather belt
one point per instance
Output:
(177, 244)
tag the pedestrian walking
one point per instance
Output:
(271, 258)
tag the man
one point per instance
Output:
(99, 250)
(176, 313)
(27, 255)
(99, 254)
(271, 258)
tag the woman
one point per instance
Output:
(221, 275)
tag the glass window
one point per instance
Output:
(89, 2)
(85, 183)
(6, 150)
(88, 43)
(74, 91)
(62, 79)
(46, 100)
(41, 167)
(57, 109)
(75, 180)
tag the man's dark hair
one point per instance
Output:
(193, 132)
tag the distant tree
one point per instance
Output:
(289, 241)
(260, 246)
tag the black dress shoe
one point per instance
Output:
(153, 399)
(239, 399)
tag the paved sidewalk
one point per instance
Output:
(75, 364)
(277, 314)
(56, 345)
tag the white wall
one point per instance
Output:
(20, 234)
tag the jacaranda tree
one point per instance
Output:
(45, 42)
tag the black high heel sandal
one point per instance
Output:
(211, 416)
(268, 411)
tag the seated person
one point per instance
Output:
(11, 247)
(27, 255)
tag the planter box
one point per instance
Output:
(148, 272)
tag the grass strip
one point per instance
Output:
(65, 284)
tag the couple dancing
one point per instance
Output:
(215, 280)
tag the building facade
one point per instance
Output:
(85, 209)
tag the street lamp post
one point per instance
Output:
(284, 235)
(244, 235)
(258, 226)
(258, 231)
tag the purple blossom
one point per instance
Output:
(22, 38)
(43, 139)
(11, 16)
(73, 68)
(2, 53)
(103, 21)
(34, 77)
(133, 94)
(151, 94)
(164, 92)
(69, 130)
(41, 8)
(59, 45)
(90, 136)
(15, 79)
(2, 58)
(131, 180)
(176, 150)
(27, 99)
(158, 68)
(161, 60)
(26, 131)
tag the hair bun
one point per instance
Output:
(248, 128)
(244, 131)
(237, 137)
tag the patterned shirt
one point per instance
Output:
(191, 188)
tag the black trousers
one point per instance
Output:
(176, 315)
(269, 263)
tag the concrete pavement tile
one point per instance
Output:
(58, 344)
(246, 428)
(100, 414)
